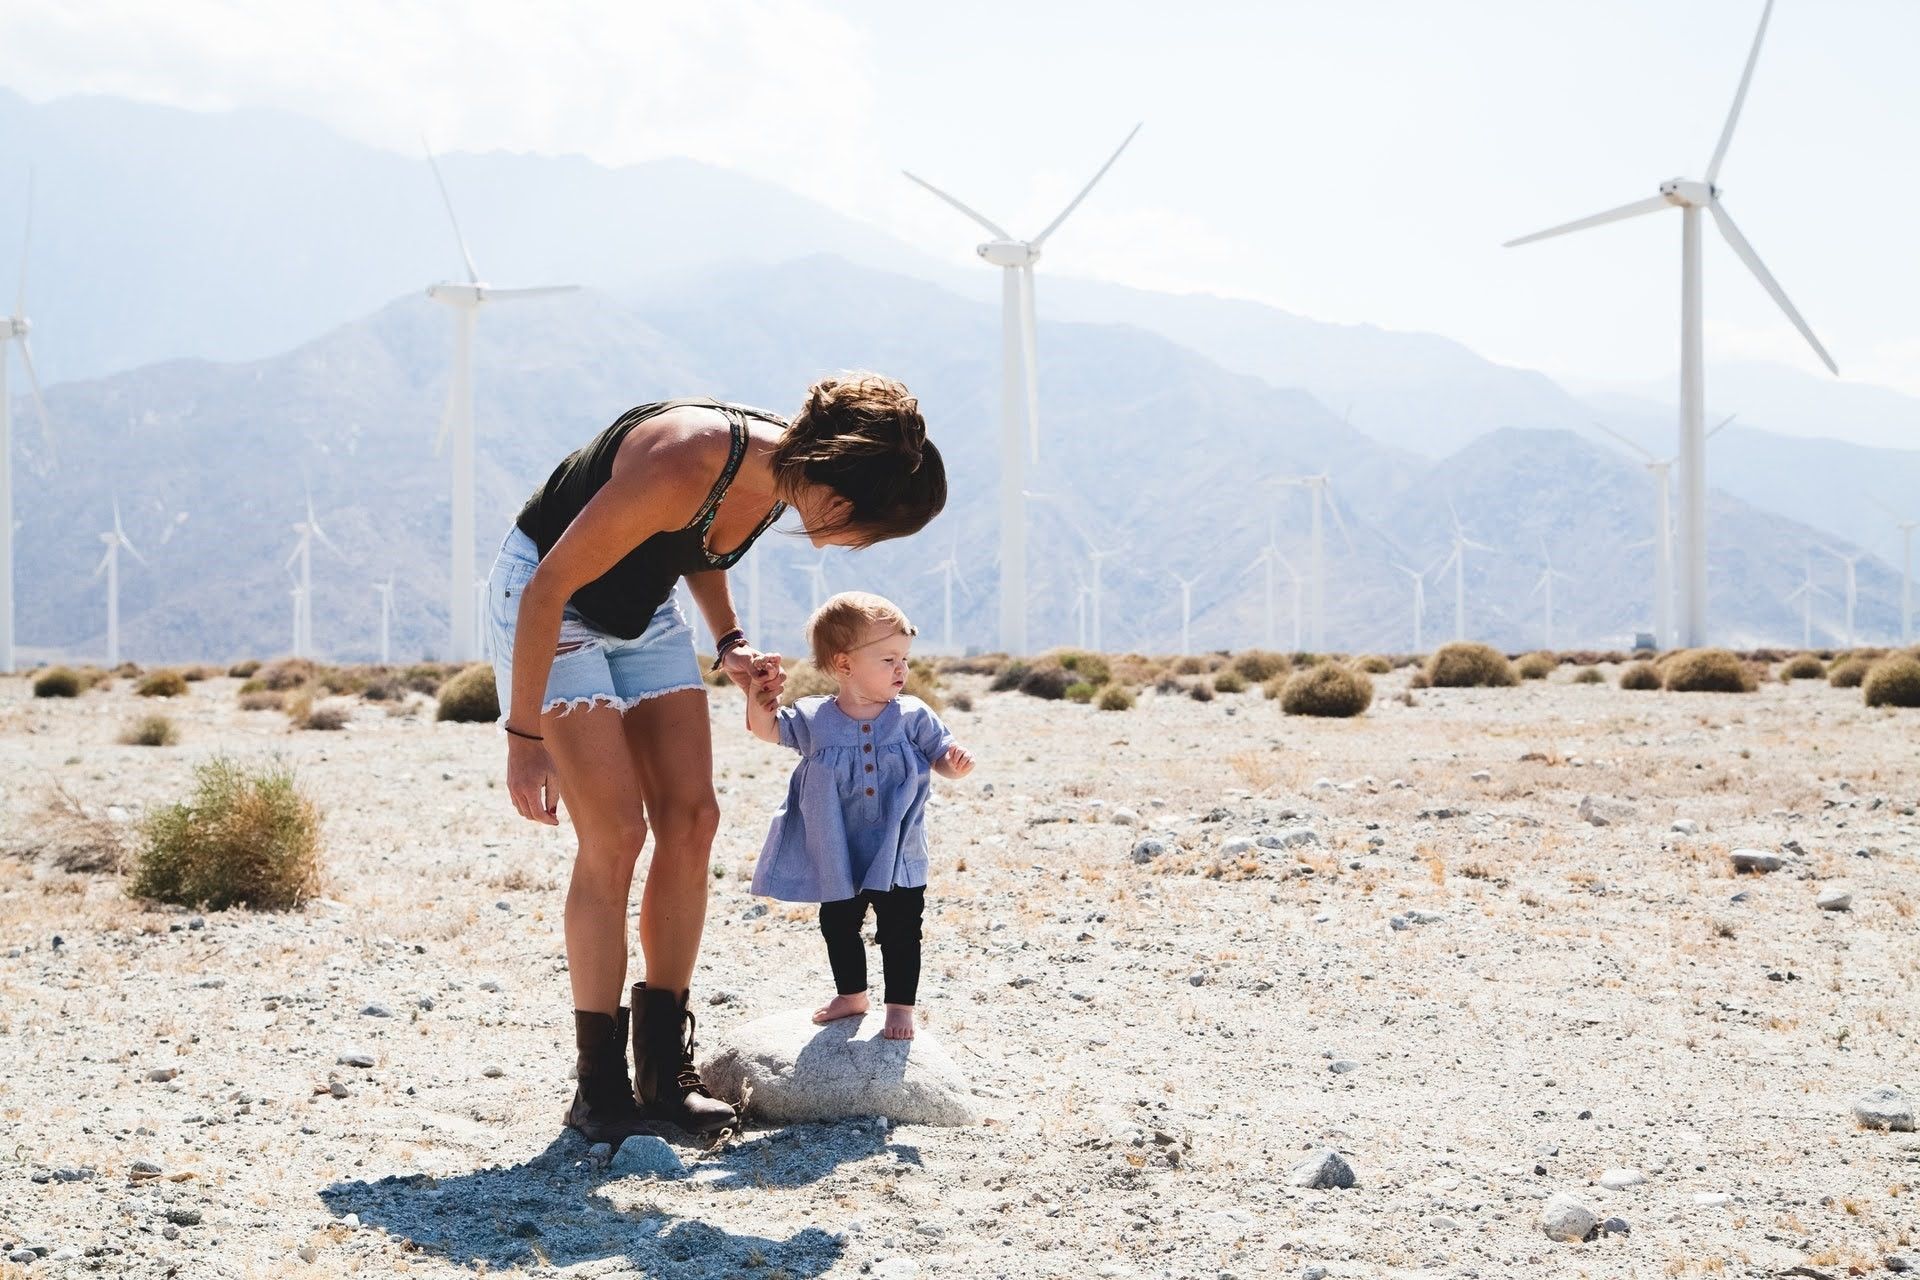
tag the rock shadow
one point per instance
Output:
(549, 1211)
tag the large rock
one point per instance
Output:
(789, 1070)
(1603, 812)
(1884, 1108)
(1565, 1218)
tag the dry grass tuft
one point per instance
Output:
(1641, 676)
(1708, 671)
(1848, 673)
(245, 838)
(1893, 682)
(1116, 698)
(1327, 690)
(1467, 665)
(1804, 667)
(162, 684)
(57, 682)
(68, 837)
(469, 697)
(1536, 666)
(150, 731)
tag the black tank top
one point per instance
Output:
(622, 600)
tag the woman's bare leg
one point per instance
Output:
(671, 749)
(603, 798)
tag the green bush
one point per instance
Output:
(1328, 689)
(1536, 666)
(1642, 676)
(1803, 667)
(470, 696)
(150, 731)
(162, 684)
(1090, 667)
(1893, 682)
(57, 682)
(1229, 681)
(1848, 673)
(1467, 665)
(1116, 698)
(1707, 671)
(1080, 691)
(244, 838)
(1261, 665)
(1589, 675)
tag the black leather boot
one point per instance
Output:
(603, 1107)
(666, 1085)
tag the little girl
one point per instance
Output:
(850, 833)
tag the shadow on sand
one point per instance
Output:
(550, 1209)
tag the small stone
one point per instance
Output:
(337, 1089)
(646, 1155)
(306, 1253)
(1441, 1222)
(1313, 1271)
(1124, 818)
(1834, 900)
(1565, 1218)
(1711, 1199)
(494, 987)
(1621, 1179)
(1602, 812)
(1290, 838)
(144, 1168)
(1198, 979)
(198, 922)
(184, 1217)
(355, 1058)
(1237, 847)
(1340, 1066)
(491, 1072)
(1897, 1262)
(1884, 1108)
(1480, 775)
(1148, 849)
(160, 1075)
(1682, 827)
(23, 1255)
(376, 1011)
(1324, 1168)
(1615, 1227)
(1417, 916)
(600, 1154)
(1757, 861)
(351, 1221)
(1396, 923)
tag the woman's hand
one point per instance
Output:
(531, 781)
(754, 671)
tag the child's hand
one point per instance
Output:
(958, 761)
(768, 674)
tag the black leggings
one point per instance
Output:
(896, 916)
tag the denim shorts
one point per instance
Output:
(590, 667)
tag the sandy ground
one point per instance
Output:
(1153, 1043)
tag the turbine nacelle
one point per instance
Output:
(14, 327)
(1009, 253)
(1688, 192)
(458, 295)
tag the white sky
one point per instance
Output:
(1355, 160)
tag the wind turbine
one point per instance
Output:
(1080, 597)
(1545, 584)
(1852, 586)
(1906, 528)
(1321, 488)
(116, 538)
(1662, 530)
(1805, 593)
(308, 529)
(817, 573)
(1019, 391)
(1186, 611)
(299, 616)
(1458, 559)
(1419, 602)
(466, 300)
(1690, 197)
(949, 569)
(385, 591)
(14, 328)
(1268, 557)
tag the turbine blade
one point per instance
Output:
(1740, 96)
(1075, 202)
(1031, 359)
(980, 218)
(473, 276)
(298, 547)
(133, 549)
(1333, 505)
(536, 291)
(39, 404)
(327, 542)
(1631, 444)
(102, 566)
(26, 241)
(1652, 204)
(1767, 282)
(1722, 424)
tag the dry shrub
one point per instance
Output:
(1229, 681)
(1008, 676)
(245, 838)
(57, 682)
(1641, 676)
(244, 669)
(469, 697)
(1116, 698)
(1708, 671)
(1261, 665)
(427, 677)
(1589, 675)
(150, 731)
(344, 680)
(285, 673)
(385, 687)
(162, 684)
(1419, 680)
(1329, 689)
(1848, 673)
(67, 836)
(979, 664)
(200, 671)
(1190, 665)
(1047, 679)
(1804, 667)
(1273, 686)
(1090, 667)
(961, 701)
(804, 680)
(1467, 665)
(1200, 691)
(262, 700)
(1080, 691)
(1135, 670)
(1536, 666)
(923, 682)
(326, 718)
(1373, 664)
(1893, 682)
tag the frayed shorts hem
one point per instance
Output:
(567, 706)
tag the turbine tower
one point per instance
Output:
(1321, 488)
(385, 591)
(1853, 591)
(1019, 392)
(466, 300)
(116, 538)
(1690, 197)
(1662, 531)
(817, 574)
(308, 530)
(1906, 528)
(949, 569)
(1545, 584)
(1186, 612)
(1805, 593)
(1419, 603)
(1458, 559)
(14, 328)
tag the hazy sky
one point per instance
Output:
(1353, 160)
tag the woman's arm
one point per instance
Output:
(658, 483)
(745, 665)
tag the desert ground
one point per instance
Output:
(1475, 994)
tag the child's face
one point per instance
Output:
(875, 670)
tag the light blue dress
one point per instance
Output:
(854, 814)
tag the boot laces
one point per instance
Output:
(688, 1079)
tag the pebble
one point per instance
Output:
(1711, 1199)
(337, 1089)
(1197, 979)
(1884, 1108)
(1340, 1066)
(184, 1217)
(1834, 900)
(648, 1155)
(160, 1075)
(1616, 1227)
(146, 1168)
(1441, 1222)
(1418, 916)
(491, 1072)
(23, 1255)
(1897, 1262)
(1149, 849)
(1683, 827)
(1237, 847)
(1621, 1179)
(355, 1058)
(600, 1154)
(494, 987)
(1757, 861)
(1480, 775)
(1565, 1218)
(1124, 818)
(376, 1011)
(1290, 838)
(1313, 1271)
(1602, 812)
(1324, 1168)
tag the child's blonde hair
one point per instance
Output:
(839, 625)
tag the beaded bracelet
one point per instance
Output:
(730, 641)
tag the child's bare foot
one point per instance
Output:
(843, 1007)
(899, 1022)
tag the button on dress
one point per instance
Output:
(854, 816)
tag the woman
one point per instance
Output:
(604, 705)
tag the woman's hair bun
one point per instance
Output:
(863, 435)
